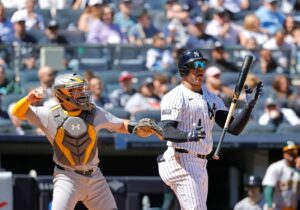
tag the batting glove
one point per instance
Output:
(252, 95)
(197, 133)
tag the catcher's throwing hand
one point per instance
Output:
(36, 95)
(197, 133)
(146, 127)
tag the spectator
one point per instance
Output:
(252, 29)
(33, 20)
(46, 77)
(143, 31)
(220, 59)
(161, 84)
(282, 51)
(123, 18)
(223, 29)
(254, 199)
(251, 82)
(17, 4)
(79, 4)
(214, 84)
(289, 25)
(21, 38)
(176, 28)
(281, 180)
(158, 58)
(274, 115)
(6, 86)
(270, 18)
(98, 98)
(103, 30)
(91, 12)
(198, 38)
(267, 63)
(283, 91)
(144, 99)
(120, 96)
(251, 48)
(6, 28)
(52, 36)
(55, 4)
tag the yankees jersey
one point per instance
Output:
(285, 180)
(187, 107)
(42, 117)
(247, 204)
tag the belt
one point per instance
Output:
(84, 173)
(185, 151)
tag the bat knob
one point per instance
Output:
(216, 157)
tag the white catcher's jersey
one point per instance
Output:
(285, 180)
(187, 107)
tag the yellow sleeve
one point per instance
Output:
(21, 108)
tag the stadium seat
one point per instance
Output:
(119, 112)
(229, 78)
(9, 74)
(37, 34)
(130, 58)
(28, 76)
(253, 127)
(8, 99)
(9, 12)
(153, 114)
(73, 37)
(93, 64)
(286, 128)
(267, 79)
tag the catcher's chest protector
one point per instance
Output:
(75, 139)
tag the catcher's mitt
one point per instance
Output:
(146, 127)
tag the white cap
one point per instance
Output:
(95, 2)
(212, 71)
(18, 16)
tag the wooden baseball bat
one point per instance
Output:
(238, 89)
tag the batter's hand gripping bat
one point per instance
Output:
(238, 88)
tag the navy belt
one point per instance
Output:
(84, 173)
(185, 151)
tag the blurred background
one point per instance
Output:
(129, 48)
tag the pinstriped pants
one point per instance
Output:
(187, 176)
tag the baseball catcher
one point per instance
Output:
(71, 127)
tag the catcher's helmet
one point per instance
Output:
(72, 88)
(253, 181)
(186, 57)
(289, 145)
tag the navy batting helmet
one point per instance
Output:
(253, 181)
(186, 57)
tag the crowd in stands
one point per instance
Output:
(128, 49)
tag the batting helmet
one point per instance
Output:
(186, 57)
(289, 145)
(253, 181)
(72, 88)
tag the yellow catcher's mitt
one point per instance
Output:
(146, 127)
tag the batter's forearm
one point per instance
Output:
(21, 108)
(171, 133)
(240, 121)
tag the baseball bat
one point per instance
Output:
(237, 91)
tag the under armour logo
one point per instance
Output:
(75, 126)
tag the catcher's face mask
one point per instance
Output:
(74, 91)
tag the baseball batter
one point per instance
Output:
(281, 181)
(71, 127)
(188, 114)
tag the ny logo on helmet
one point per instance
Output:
(75, 126)
(196, 54)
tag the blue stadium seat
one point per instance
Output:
(267, 79)
(120, 113)
(28, 76)
(9, 12)
(73, 37)
(9, 74)
(253, 127)
(68, 16)
(285, 128)
(229, 78)
(8, 99)
(37, 34)
(153, 114)
(6, 126)
(93, 64)
(45, 13)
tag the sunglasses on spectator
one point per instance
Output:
(196, 65)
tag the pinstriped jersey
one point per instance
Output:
(187, 107)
